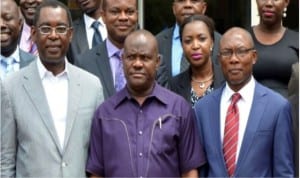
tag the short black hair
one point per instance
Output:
(54, 4)
(203, 18)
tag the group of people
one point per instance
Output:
(101, 98)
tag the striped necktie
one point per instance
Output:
(231, 134)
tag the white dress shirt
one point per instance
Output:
(244, 105)
(16, 65)
(90, 31)
(56, 90)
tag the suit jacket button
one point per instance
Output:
(64, 164)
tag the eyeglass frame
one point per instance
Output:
(239, 53)
(67, 28)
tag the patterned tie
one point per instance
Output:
(231, 134)
(97, 39)
(119, 73)
(184, 64)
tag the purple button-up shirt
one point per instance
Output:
(157, 139)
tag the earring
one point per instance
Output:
(284, 13)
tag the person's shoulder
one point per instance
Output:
(271, 95)
(90, 55)
(84, 75)
(165, 32)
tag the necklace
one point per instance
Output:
(202, 83)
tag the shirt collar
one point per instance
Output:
(112, 49)
(89, 21)
(158, 93)
(27, 30)
(245, 92)
(15, 55)
(43, 72)
(176, 32)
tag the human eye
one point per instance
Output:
(242, 52)
(130, 12)
(45, 29)
(114, 12)
(187, 41)
(61, 29)
(202, 38)
(226, 53)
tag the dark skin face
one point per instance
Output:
(140, 62)
(28, 9)
(197, 43)
(52, 47)
(90, 7)
(186, 8)
(10, 22)
(270, 11)
(237, 70)
(120, 17)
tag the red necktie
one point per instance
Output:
(231, 134)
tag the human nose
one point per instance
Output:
(123, 15)
(195, 44)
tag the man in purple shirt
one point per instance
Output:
(144, 130)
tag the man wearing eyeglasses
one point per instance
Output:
(245, 128)
(53, 104)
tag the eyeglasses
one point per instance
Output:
(47, 30)
(240, 53)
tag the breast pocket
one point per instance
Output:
(165, 133)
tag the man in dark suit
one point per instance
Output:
(120, 17)
(12, 57)
(253, 136)
(84, 29)
(169, 42)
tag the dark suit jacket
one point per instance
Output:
(96, 61)
(181, 83)
(79, 43)
(164, 39)
(25, 58)
(267, 146)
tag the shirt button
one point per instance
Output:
(140, 132)
(140, 154)
(141, 111)
(64, 164)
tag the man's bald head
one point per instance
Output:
(237, 31)
(141, 37)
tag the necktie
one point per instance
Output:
(8, 66)
(231, 134)
(32, 48)
(119, 73)
(97, 39)
(184, 64)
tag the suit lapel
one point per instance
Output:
(74, 95)
(168, 50)
(257, 109)
(34, 88)
(216, 127)
(25, 58)
(81, 39)
(105, 70)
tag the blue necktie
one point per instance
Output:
(119, 73)
(7, 64)
(97, 39)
